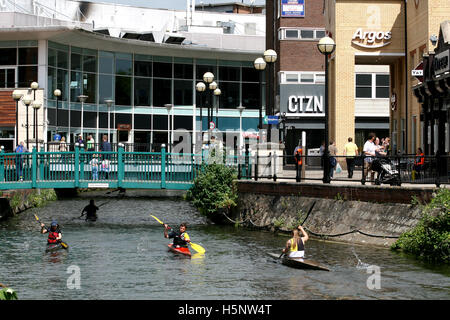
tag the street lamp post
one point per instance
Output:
(201, 87)
(240, 109)
(36, 107)
(27, 102)
(217, 93)
(57, 94)
(17, 96)
(260, 65)
(326, 46)
(208, 77)
(169, 144)
(270, 56)
(212, 87)
(34, 86)
(82, 99)
(109, 103)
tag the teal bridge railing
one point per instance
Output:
(94, 169)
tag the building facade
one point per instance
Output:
(141, 65)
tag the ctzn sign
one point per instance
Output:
(305, 106)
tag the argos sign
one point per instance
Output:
(371, 39)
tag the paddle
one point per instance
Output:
(82, 214)
(63, 244)
(194, 246)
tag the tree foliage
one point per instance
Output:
(213, 189)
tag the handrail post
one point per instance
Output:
(163, 166)
(438, 169)
(82, 158)
(363, 177)
(2, 164)
(256, 163)
(274, 166)
(34, 168)
(76, 167)
(120, 166)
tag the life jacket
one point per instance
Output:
(297, 246)
(298, 151)
(52, 237)
(180, 239)
(420, 159)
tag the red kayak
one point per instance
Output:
(181, 250)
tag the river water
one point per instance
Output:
(124, 256)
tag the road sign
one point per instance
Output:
(273, 119)
(212, 125)
(418, 72)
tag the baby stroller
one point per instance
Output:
(387, 173)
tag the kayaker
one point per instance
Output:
(91, 211)
(295, 247)
(54, 232)
(180, 237)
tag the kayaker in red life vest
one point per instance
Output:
(180, 237)
(54, 233)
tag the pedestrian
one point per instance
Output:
(105, 146)
(90, 144)
(94, 167)
(350, 152)
(295, 247)
(419, 162)
(369, 153)
(379, 151)
(20, 149)
(332, 149)
(321, 151)
(80, 140)
(62, 148)
(105, 168)
(298, 152)
(387, 145)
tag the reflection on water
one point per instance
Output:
(124, 255)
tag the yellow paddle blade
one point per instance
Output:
(157, 219)
(36, 217)
(64, 245)
(197, 247)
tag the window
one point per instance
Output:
(142, 91)
(364, 86)
(162, 70)
(229, 74)
(320, 34)
(292, 77)
(8, 56)
(123, 91)
(307, 78)
(291, 34)
(183, 71)
(162, 89)
(301, 34)
(382, 86)
(30, 56)
(183, 91)
(307, 34)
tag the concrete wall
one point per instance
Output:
(331, 210)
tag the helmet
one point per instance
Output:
(54, 223)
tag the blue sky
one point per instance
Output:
(170, 4)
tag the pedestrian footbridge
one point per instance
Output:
(91, 169)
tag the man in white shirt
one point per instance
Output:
(369, 152)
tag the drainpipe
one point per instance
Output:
(406, 78)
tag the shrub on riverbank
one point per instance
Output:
(213, 189)
(430, 239)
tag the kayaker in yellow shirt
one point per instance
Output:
(295, 247)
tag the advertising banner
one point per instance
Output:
(302, 100)
(293, 8)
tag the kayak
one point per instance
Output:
(299, 263)
(55, 247)
(181, 250)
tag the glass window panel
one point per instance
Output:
(105, 87)
(123, 91)
(162, 92)
(363, 92)
(89, 87)
(160, 123)
(76, 80)
(89, 119)
(142, 121)
(230, 95)
(75, 118)
(75, 62)
(162, 70)
(382, 80)
(89, 63)
(183, 71)
(307, 77)
(307, 34)
(143, 68)
(363, 80)
(251, 95)
(182, 122)
(320, 34)
(63, 117)
(123, 67)
(27, 75)
(51, 82)
(52, 57)
(202, 69)
(28, 55)
(291, 77)
(250, 75)
(142, 91)
(229, 73)
(292, 34)
(382, 92)
(123, 118)
(320, 78)
(8, 56)
(62, 59)
(106, 64)
(62, 84)
(183, 92)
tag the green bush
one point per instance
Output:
(213, 189)
(430, 239)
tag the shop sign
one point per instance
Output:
(441, 63)
(124, 127)
(302, 100)
(371, 39)
(293, 8)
